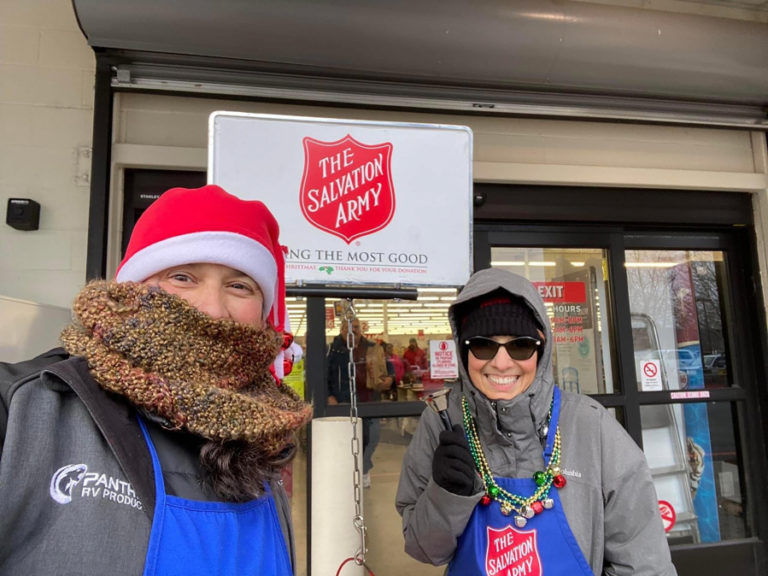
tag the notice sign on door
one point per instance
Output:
(650, 376)
(357, 202)
(443, 362)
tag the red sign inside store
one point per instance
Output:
(558, 292)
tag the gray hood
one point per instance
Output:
(483, 282)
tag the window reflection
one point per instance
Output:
(677, 318)
(692, 453)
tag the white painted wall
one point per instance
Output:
(46, 109)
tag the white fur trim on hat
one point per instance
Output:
(226, 248)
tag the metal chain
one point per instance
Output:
(358, 521)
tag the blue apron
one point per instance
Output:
(195, 538)
(491, 544)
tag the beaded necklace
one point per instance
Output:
(524, 508)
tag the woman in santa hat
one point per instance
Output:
(153, 442)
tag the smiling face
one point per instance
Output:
(501, 377)
(219, 291)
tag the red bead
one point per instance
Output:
(485, 500)
(558, 481)
(287, 339)
(538, 507)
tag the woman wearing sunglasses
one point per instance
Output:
(530, 479)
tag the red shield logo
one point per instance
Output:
(347, 187)
(512, 552)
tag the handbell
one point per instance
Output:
(438, 401)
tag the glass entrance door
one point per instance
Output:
(679, 312)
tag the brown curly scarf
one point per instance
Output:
(209, 377)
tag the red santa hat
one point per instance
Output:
(209, 225)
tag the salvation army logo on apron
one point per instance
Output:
(347, 188)
(512, 553)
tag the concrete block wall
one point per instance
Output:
(46, 107)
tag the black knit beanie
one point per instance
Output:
(497, 314)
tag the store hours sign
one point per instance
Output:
(357, 202)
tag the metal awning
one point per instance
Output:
(538, 57)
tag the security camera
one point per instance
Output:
(478, 199)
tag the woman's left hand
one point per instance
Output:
(452, 466)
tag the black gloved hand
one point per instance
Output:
(452, 466)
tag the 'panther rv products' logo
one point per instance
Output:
(346, 189)
(76, 482)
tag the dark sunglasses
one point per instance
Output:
(520, 348)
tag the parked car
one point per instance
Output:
(715, 364)
(715, 370)
(685, 363)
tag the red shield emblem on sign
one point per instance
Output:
(347, 187)
(512, 552)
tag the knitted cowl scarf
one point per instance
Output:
(208, 377)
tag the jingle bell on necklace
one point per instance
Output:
(524, 508)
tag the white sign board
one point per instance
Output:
(443, 362)
(650, 376)
(357, 202)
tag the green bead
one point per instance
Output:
(493, 490)
(540, 478)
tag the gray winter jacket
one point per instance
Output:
(609, 499)
(77, 492)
